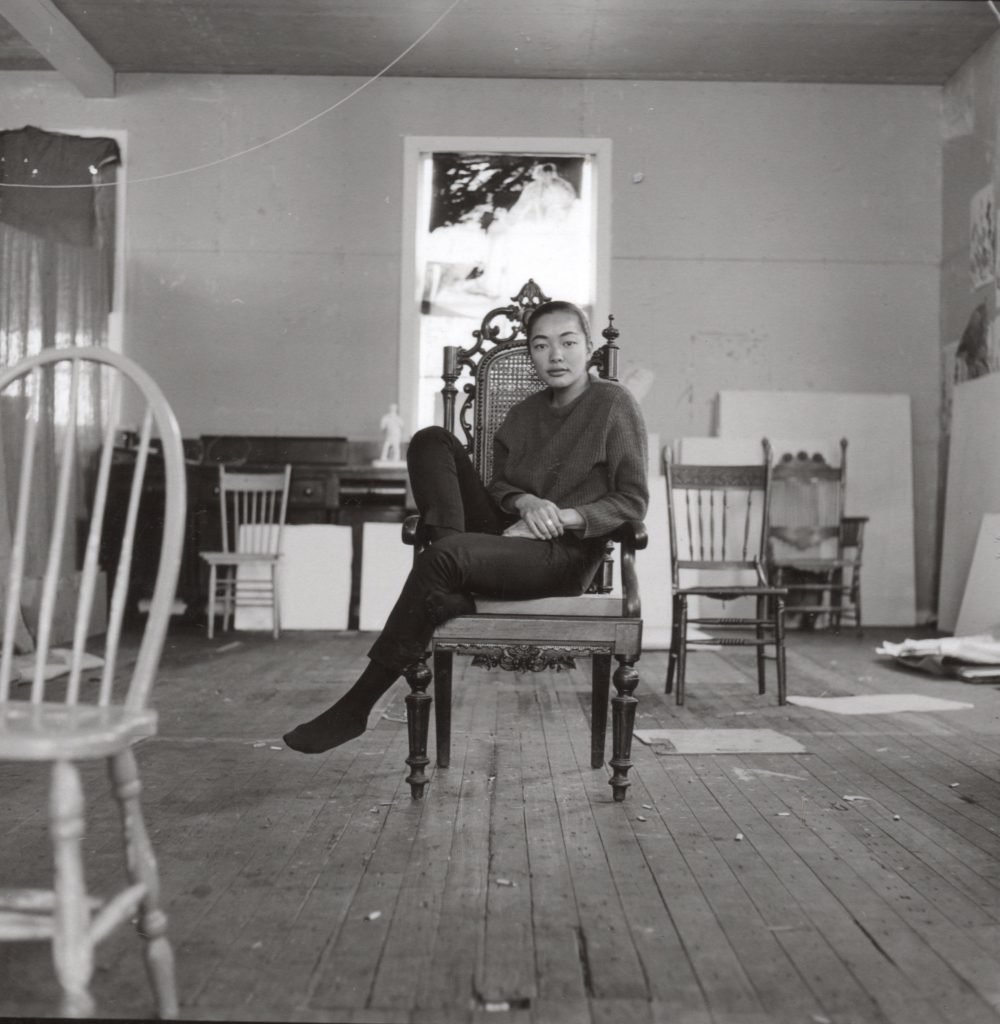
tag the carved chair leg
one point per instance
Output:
(779, 644)
(599, 691)
(418, 714)
(626, 679)
(443, 664)
(72, 950)
(142, 870)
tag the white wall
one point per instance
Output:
(781, 237)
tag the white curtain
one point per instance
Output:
(57, 202)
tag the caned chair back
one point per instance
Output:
(807, 505)
(500, 373)
(718, 515)
(504, 377)
(48, 400)
(253, 507)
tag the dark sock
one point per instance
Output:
(348, 718)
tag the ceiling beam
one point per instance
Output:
(49, 31)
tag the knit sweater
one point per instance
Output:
(589, 455)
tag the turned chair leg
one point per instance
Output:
(626, 679)
(760, 631)
(142, 870)
(779, 644)
(599, 690)
(212, 587)
(682, 617)
(675, 642)
(275, 603)
(418, 713)
(72, 950)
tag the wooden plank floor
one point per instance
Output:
(314, 889)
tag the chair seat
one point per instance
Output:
(582, 634)
(238, 557)
(49, 730)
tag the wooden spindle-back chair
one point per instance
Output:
(718, 541)
(62, 719)
(244, 574)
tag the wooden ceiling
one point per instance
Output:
(861, 41)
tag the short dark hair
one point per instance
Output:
(558, 306)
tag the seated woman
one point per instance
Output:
(569, 467)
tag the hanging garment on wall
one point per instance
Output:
(31, 157)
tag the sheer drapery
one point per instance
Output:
(57, 230)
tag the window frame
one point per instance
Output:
(415, 149)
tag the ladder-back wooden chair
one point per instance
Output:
(813, 547)
(718, 517)
(539, 634)
(72, 718)
(244, 574)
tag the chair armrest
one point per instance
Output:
(632, 537)
(632, 534)
(412, 532)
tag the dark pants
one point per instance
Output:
(475, 559)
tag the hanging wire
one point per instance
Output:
(267, 142)
(993, 8)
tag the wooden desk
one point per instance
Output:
(348, 494)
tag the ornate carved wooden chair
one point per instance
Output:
(813, 548)
(718, 531)
(540, 634)
(65, 720)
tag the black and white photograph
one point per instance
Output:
(500, 511)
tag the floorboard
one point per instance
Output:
(726, 889)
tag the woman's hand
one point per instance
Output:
(542, 518)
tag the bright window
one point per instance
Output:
(484, 215)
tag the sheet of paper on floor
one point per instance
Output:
(879, 703)
(57, 664)
(973, 488)
(879, 476)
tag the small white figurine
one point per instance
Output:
(391, 425)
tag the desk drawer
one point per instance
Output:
(307, 491)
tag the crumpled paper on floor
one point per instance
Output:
(970, 658)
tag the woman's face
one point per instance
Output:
(558, 348)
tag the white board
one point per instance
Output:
(314, 581)
(385, 564)
(973, 488)
(980, 608)
(652, 566)
(879, 476)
